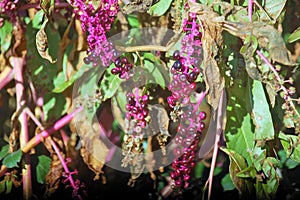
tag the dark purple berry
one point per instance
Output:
(176, 55)
(87, 60)
(192, 77)
(118, 62)
(177, 65)
(124, 60)
(115, 71)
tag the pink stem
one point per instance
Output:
(7, 79)
(202, 96)
(250, 7)
(18, 64)
(37, 6)
(44, 134)
(286, 93)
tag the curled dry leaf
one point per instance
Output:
(93, 150)
(137, 6)
(212, 40)
(42, 43)
(54, 176)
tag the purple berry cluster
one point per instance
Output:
(183, 81)
(187, 139)
(97, 22)
(8, 10)
(137, 109)
(186, 67)
(122, 68)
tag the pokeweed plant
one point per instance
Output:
(223, 80)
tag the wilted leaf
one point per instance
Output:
(271, 94)
(47, 6)
(137, 6)
(294, 36)
(159, 119)
(291, 145)
(268, 37)
(262, 119)
(42, 43)
(237, 164)
(42, 169)
(54, 175)
(12, 159)
(160, 8)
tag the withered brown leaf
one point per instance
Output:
(42, 43)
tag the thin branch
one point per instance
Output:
(250, 9)
(6, 76)
(18, 63)
(286, 93)
(44, 134)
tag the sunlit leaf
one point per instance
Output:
(294, 36)
(264, 129)
(160, 8)
(12, 159)
(5, 36)
(245, 138)
(110, 84)
(54, 105)
(42, 168)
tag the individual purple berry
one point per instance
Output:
(176, 55)
(177, 65)
(192, 77)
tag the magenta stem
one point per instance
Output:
(56, 126)
(286, 93)
(250, 9)
(202, 96)
(18, 63)
(7, 79)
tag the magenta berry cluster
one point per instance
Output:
(186, 67)
(137, 109)
(97, 22)
(187, 139)
(122, 68)
(183, 81)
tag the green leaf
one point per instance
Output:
(42, 168)
(273, 8)
(294, 36)
(2, 186)
(54, 106)
(199, 168)
(291, 145)
(237, 164)
(12, 159)
(244, 138)
(227, 183)
(110, 84)
(8, 186)
(264, 128)
(60, 84)
(155, 72)
(133, 21)
(5, 36)
(38, 19)
(4, 151)
(160, 8)
(217, 171)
